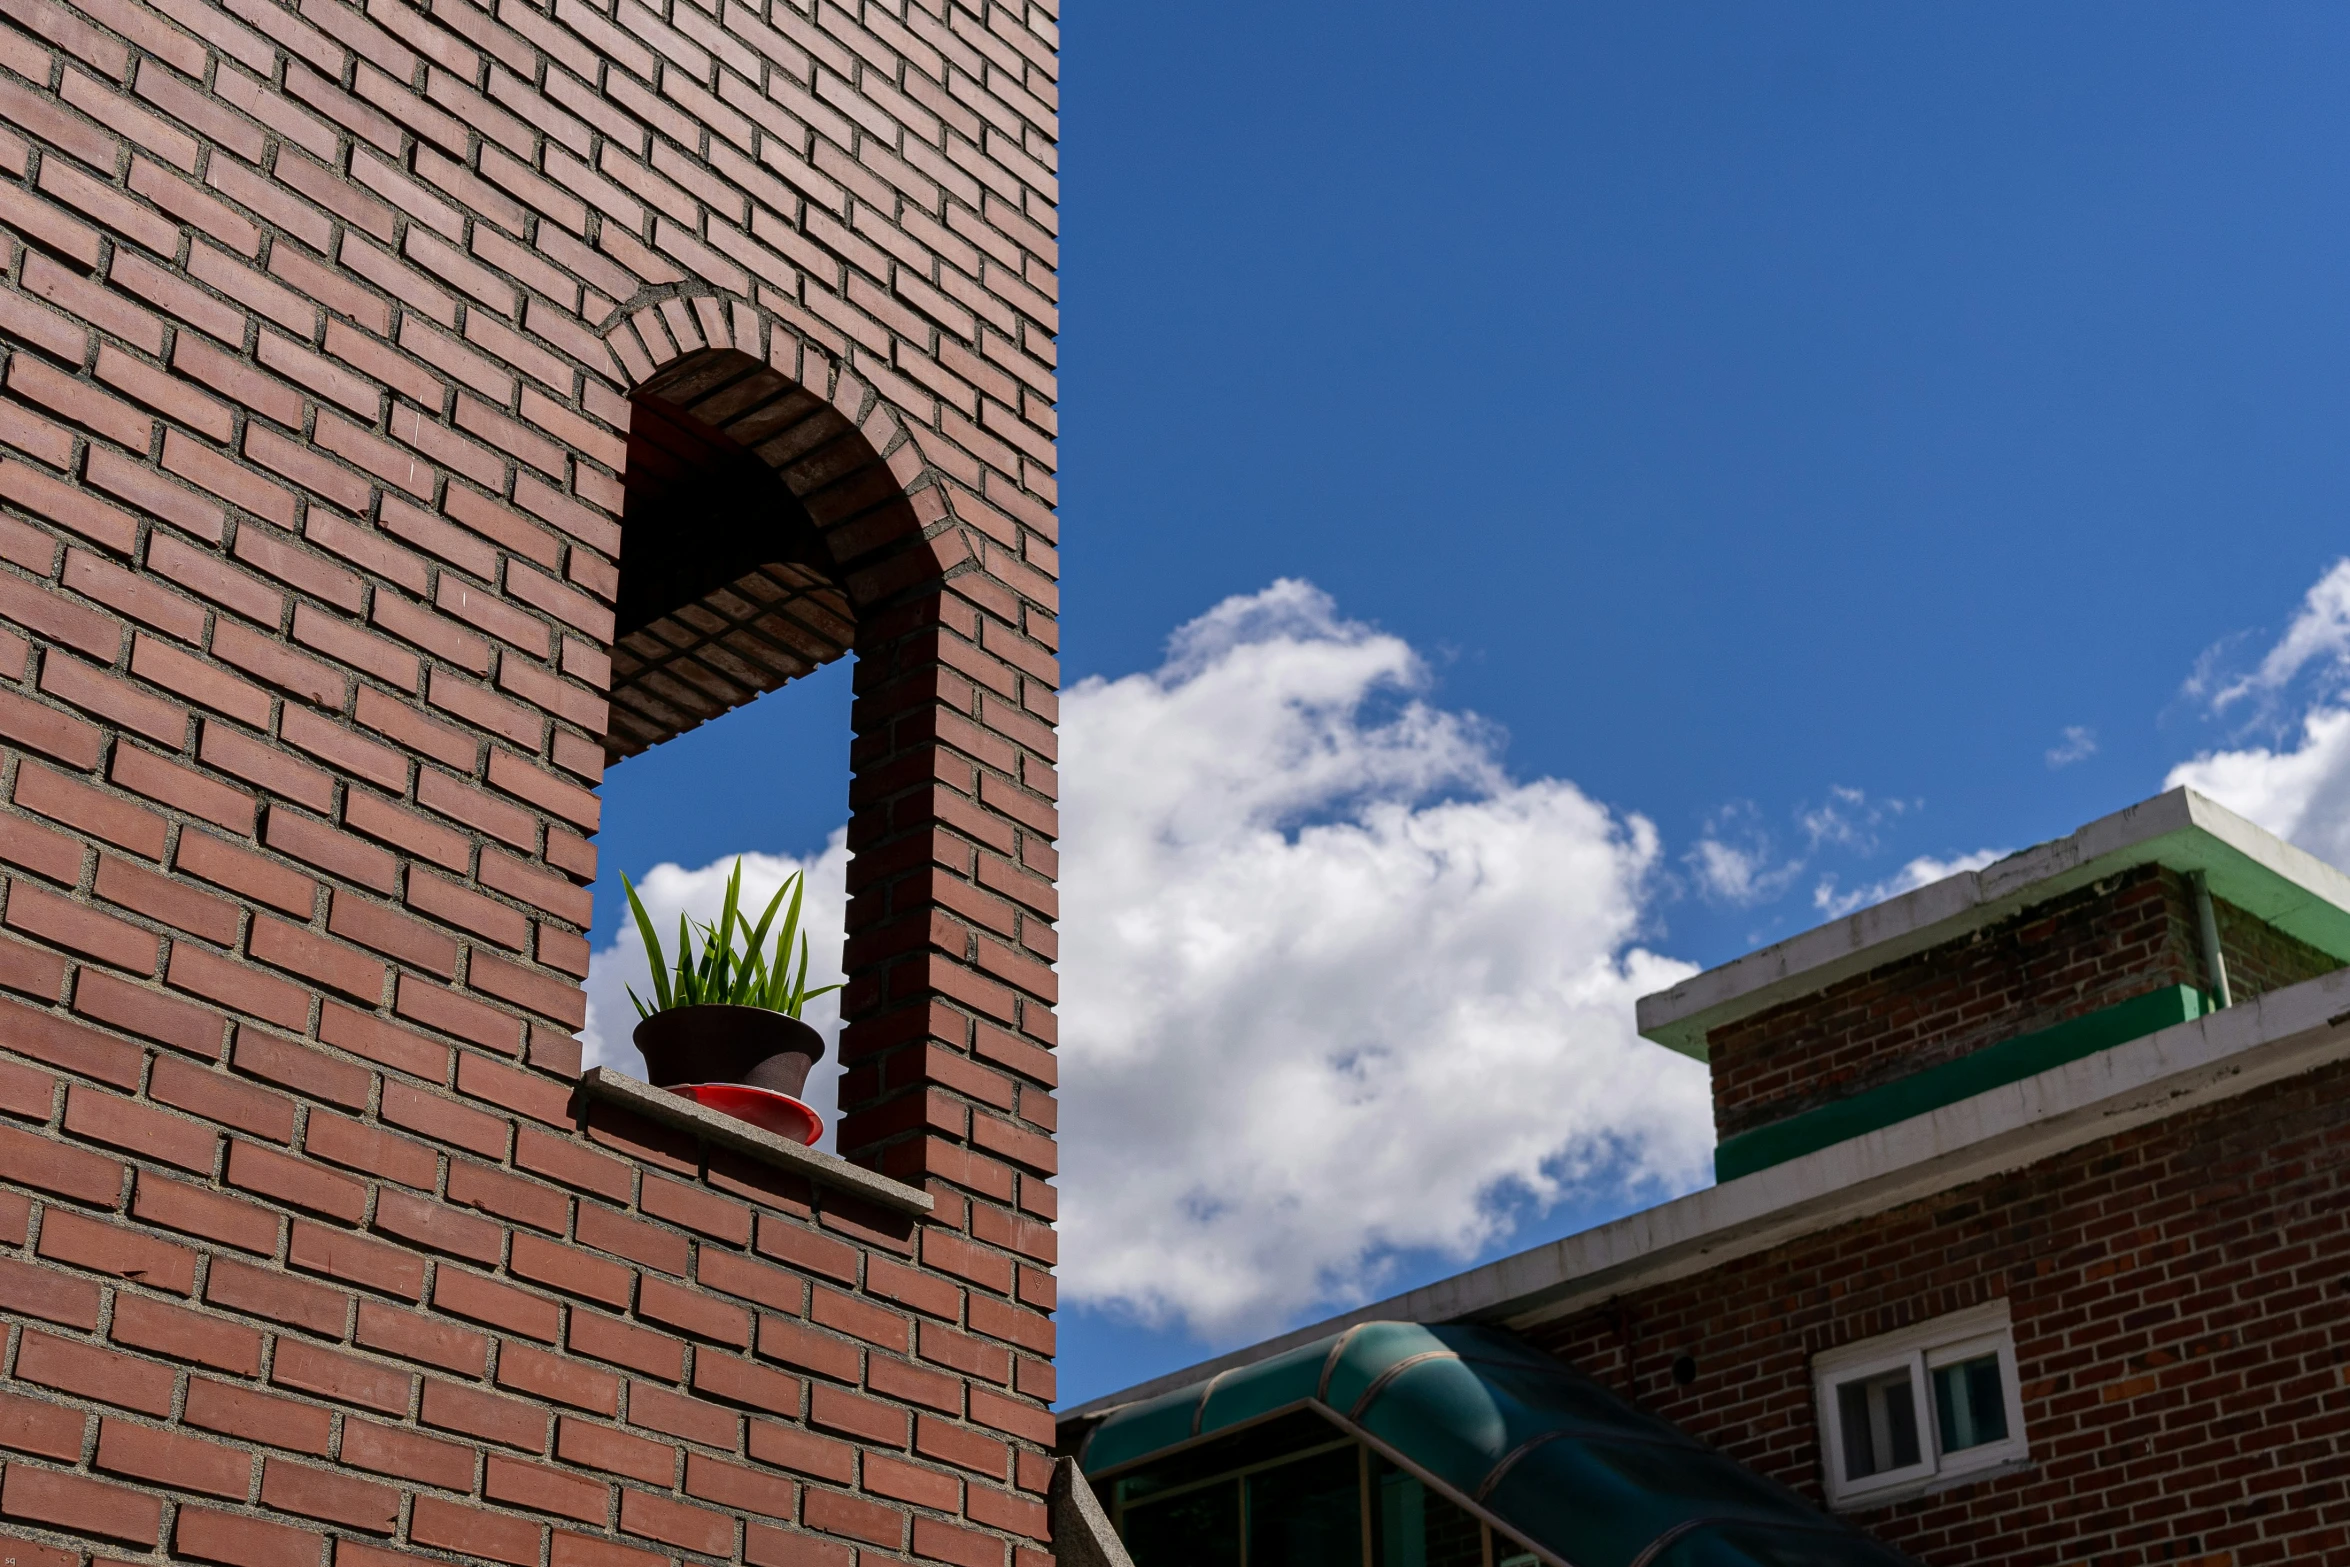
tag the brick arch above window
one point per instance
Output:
(770, 498)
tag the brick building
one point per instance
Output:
(2030, 1244)
(409, 408)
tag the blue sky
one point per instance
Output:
(1749, 412)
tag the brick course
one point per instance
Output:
(342, 344)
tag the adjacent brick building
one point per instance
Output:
(2032, 1246)
(407, 411)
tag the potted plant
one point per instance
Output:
(723, 1027)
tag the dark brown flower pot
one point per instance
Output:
(718, 1044)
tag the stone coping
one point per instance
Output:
(658, 1104)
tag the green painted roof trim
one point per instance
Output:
(1921, 1093)
(1541, 1451)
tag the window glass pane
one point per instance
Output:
(1880, 1420)
(1969, 1407)
(1306, 1514)
(1201, 1526)
(1412, 1526)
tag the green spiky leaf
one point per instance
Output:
(731, 961)
(652, 941)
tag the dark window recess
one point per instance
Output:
(1880, 1425)
(1283, 1494)
(726, 589)
(1970, 1406)
(1262, 1443)
(701, 512)
(1412, 1526)
(1308, 1513)
(1198, 1528)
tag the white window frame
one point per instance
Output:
(1920, 1350)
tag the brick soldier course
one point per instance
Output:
(406, 413)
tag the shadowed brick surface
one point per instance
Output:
(340, 346)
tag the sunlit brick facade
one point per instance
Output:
(369, 375)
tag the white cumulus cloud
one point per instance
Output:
(2319, 636)
(1334, 983)
(1335, 986)
(2299, 786)
(1340, 990)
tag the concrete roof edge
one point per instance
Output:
(2288, 862)
(2222, 1054)
(2266, 875)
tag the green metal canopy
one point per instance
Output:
(1538, 1448)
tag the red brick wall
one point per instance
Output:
(2182, 1330)
(2260, 957)
(2088, 949)
(330, 332)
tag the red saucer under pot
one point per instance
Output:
(747, 1062)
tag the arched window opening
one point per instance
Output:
(778, 512)
(725, 593)
(727, 585)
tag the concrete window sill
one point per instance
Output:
(656, 1104)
